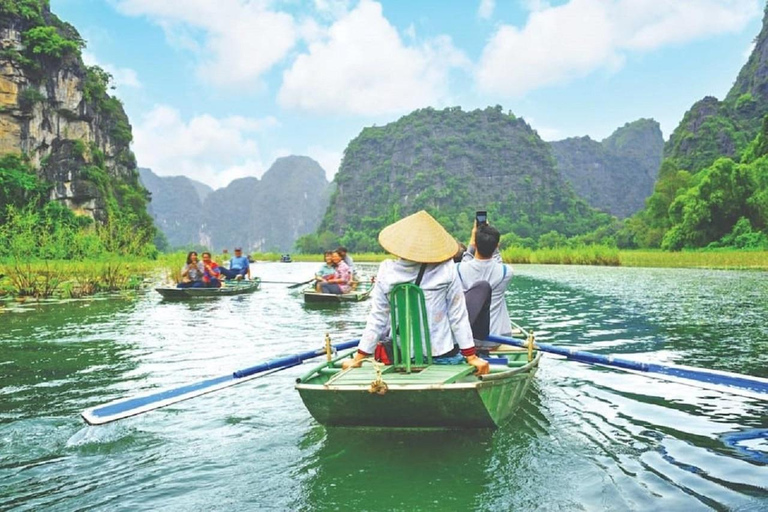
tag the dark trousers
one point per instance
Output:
(478, 299)
(193, 284)
(231, 274)
(330, 288)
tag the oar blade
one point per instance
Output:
(126, 407)
(301, 284)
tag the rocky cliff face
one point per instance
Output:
(714, 128)
(177, 207)
(55, 110)
(617, 174)
(259, 215)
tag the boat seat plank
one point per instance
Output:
(434, 374)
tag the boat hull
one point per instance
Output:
(230, 288)
(411, 402)
(311, 296)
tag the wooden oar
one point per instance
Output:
(125, 407)
(301, 284)
(285, 282)
(756, 386)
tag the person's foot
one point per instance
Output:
(239, 277)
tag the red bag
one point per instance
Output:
(383, 353)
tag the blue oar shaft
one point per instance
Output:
(290, 360)
(735, 380)
(126, 407)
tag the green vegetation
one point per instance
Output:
(32, 227)
(714, 259)
(722, 205)
(39, 279)
(29, 10)
(47, 42)
(447, 162)
(584, 255)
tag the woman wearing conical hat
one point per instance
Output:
(420, 240)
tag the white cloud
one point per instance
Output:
(561, 43)
(241, 39)
(748, 52)
(548, 134)
(328, 159)
(121, 77)
(363, 67)
(208, 149)
(485, 10)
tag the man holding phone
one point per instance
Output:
(481, 268)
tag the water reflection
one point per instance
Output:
(393, 470)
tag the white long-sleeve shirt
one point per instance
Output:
(498, 275)
(444, 298)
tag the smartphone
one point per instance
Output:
(481, 216)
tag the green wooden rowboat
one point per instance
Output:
(414, 392)
(362, 292)
(437, 396)
(229, 288)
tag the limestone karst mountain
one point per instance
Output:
(260, 215)
(617, 174)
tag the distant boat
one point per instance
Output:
(360, 293)
(232, 287)
(285, 258)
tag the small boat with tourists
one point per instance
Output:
(286, 258)
(359, 292)
(427, 396)
(233, 287)
(414, 391)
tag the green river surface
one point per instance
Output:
(586, 438)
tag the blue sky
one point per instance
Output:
(218, 89)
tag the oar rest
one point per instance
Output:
(411, 346)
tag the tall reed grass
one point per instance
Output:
(715, 259)
(585, 255)
(40, 279)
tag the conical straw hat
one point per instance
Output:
(418, 237)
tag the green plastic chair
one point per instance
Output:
(411, 345)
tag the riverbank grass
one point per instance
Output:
(40, 279)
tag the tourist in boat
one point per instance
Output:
(339, 281)
(211, 272)
(327, 269)
(346, 257)
(192, 272)
(481, 269)
(425, 253)
(239, 267)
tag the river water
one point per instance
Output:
(586, 438)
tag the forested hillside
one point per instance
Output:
(712, 188)
(617, 174)
(451, 162)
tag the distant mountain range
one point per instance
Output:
(259, 215)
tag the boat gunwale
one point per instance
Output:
(394, 386)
